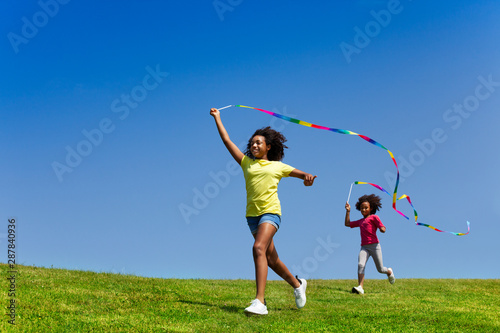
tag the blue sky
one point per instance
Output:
(112, 163)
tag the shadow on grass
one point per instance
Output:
(342, 290)
(227, 308)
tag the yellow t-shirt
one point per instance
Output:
(261, 179)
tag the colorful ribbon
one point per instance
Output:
(341, 131)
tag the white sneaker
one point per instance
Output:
(300, 293)
(358, 290)
(256, 307)
(391, 277)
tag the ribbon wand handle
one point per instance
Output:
(225, 107)
(349, 196)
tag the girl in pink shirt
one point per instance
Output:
(370, 246)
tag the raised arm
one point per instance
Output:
(307, 177)
(233, 149)
(347, 214)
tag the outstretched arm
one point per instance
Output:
(347, 215)
(233, 149)
(308, 178)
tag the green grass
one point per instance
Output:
(56, 300)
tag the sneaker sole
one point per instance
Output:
(249, 313)
(355, 291)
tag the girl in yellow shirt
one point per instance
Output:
(263, 170)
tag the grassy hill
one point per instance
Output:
(56, 300)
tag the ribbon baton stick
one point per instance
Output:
(225, 107)
(350, 193)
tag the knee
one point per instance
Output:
(258, 250)
(382, 270)
(361, 269)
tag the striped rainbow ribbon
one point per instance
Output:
(342, 131)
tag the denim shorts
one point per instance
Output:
(255, 221)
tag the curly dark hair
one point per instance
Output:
(273, 138)
(373, 200)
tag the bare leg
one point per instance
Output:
(361, 279)
(279, 267)
(263, 238)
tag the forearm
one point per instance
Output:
(222, 131)
(298, 174)
(347, 222)
(307, 177)
(231, 147)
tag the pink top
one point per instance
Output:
(368, 228)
